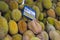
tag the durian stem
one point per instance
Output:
(0, 13)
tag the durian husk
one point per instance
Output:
(43, 35)
(28, 35)
(22, 26)
(51, 13)
(57, 24)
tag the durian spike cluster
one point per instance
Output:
(15, 26)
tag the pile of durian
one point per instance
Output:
(15, 26)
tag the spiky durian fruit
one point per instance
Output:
(8, 15)
(16, 14)
(31, 2)
(17, 37)
(57, 24)
(22, 26)
(49, 27)
(54, 35)
(3, 27)
(51, 20)
(3, 6)
(51, 13)
(41, 16)
(36, 8)
(13, 28)
(42, 25)
(28, 35)
(57, 10)
(8, 37)
(13, 5)
(35, 26)
(43, 35)
(47, 4)
(39, 4)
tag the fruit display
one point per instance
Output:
(16, 22)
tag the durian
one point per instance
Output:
(13, 28)
(13, 5)
(17, 37)
(22, 26)
(47, 4)
(16, 14)
(3, 6)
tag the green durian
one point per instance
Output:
(2, 34)
(41, 16)
(17, 37)
(57, 11)
(13, 5)
(47, 4)
(42, 25)
(29, 2)
(3, 6)
(8, 15)
(57, 24)
(16, 14)
(36, 8)
(50, 20)
(39, 4)
(4, 24)
(45, 20)
(50, 27)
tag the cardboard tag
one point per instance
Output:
(29, 12)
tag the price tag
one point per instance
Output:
(29, 12)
